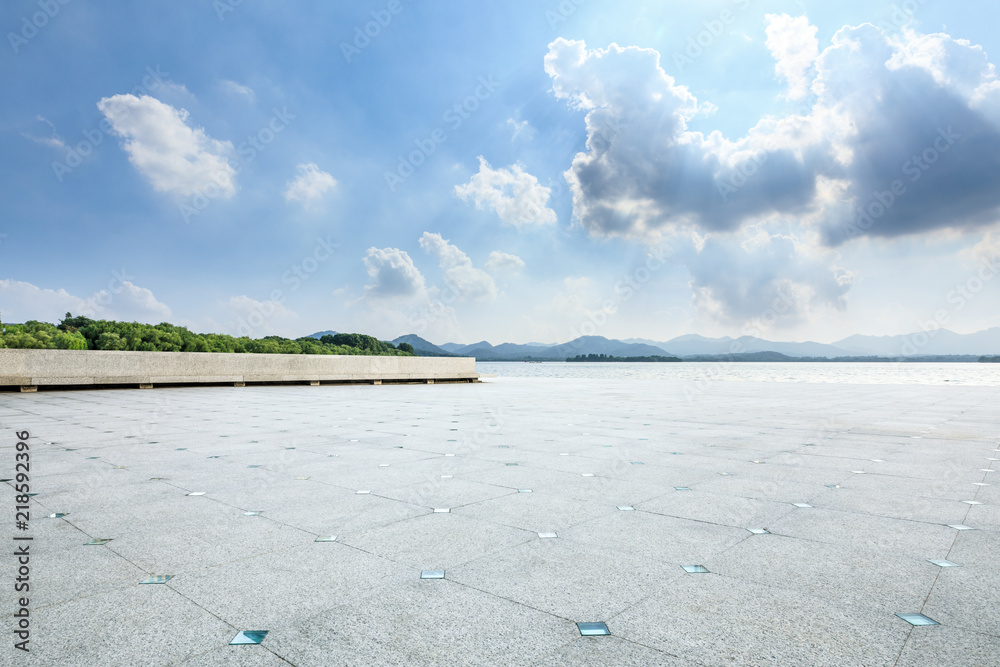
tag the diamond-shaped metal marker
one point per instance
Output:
(626, 508)
(980, 484)
(302, 477)
(917, 619)
(97, 542)
(547, 535)
(383, 465)
(449, 454)
(442, 510)
(833, 486)
(196, 493)
(248, 637)
(803, 505)
(158, 579)
(432, 574)
(593, 629)
(524, 490)
(960, 526)
(252, 513)
(587, 474)
(695, 569)
(681, 488)
(512, 464)
(858, 472)
(57, 515)
(254, 466)
(181, 449)
(943, 563)
(361, 492)
(972, 502)
(726, 474)
(637, 463)
(91, 458)
(759, 531)
(326, 538)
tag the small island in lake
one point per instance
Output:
(605, 357)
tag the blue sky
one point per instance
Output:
(515, 171)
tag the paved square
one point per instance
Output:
(823, 585)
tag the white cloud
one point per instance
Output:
(879, 104)
(514, 194)
(793, 44)
(122, 300)
(53, 139)
(502, 261)
(176, 158)
(256, 319)
(468, 282)
(309, 185)
(393, 274)
(520, 128)
(237, 89)
(767, 280)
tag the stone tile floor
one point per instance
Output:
(884, 468)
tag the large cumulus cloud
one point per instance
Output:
(921, 113)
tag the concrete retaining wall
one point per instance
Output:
(53, 368)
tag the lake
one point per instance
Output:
(969, 374)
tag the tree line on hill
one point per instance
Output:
(83, 333)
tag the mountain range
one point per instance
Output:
(940, 342)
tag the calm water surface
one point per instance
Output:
(840, 373)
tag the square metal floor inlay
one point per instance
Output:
(98, 541)
(917, 619)
(442, 510)
(943, 563)
(972, 502)
(196, 493)
(547, 535)
(759, 531)
(681, 488)
(248, 637)
(593, 629)
(326, 538)
(57, 515)
(252, 513)
(802, 505)
(960, 526)
(587, 474)
(524, 490)
(626, 508)
(432, 574)
(361, 492)
(158, 579)
(695, 569)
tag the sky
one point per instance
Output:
(515, 171)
